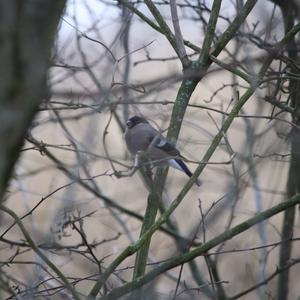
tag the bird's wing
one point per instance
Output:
(162, 144)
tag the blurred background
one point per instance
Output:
(108, 65)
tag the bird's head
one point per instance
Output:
(135, 120)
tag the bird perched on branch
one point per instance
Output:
(142, 138)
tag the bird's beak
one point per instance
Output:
(129, 124)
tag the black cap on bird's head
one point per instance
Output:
(135, 120)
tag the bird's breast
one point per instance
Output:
(136, 142)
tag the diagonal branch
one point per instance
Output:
(178, 35)
(201, 250)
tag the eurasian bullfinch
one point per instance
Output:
(141, 136)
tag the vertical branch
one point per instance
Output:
(126, 21)
(149, 219)
(27, 32)
(183, 97)
(293, 183)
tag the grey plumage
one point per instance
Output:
(141, 136)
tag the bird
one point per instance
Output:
(141, 136)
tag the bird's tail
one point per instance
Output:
(183, 167)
